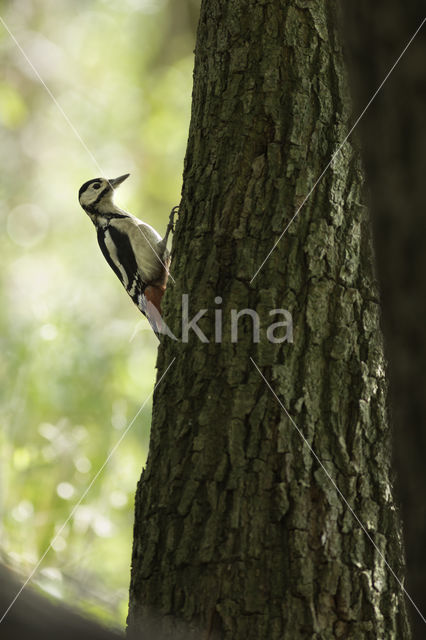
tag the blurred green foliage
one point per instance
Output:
(77, 359)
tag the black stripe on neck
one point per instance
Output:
(112, 216)
(101, 195)
(92, 207)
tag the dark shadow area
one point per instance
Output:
(35, 617)
(393, 137)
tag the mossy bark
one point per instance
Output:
(238, 530)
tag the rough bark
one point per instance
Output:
(393, 135)
(238, 530)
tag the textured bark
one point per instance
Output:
(238, 530)
(394, 147)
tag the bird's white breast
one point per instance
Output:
(144, 241)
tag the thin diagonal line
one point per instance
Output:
(72, 127)
(341, 145)
(165, 268)
(95, 477)
(339, 492)
(66, 118)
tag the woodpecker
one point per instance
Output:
(133, 249)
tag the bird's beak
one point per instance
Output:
(115, 182)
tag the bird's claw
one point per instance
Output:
(170, 226)
(172, 215)
(173, 212)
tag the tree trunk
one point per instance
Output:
(239, 531)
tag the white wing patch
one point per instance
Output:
(144, 241)
(133, 289)
(112, 250)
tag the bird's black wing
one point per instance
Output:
(119, 254)
(107, 255)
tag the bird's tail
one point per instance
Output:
(154, 317)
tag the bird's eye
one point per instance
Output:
(97, 185)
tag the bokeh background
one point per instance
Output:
(77, 359)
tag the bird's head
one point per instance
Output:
(96, 195)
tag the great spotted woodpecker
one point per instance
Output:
(133, 249)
